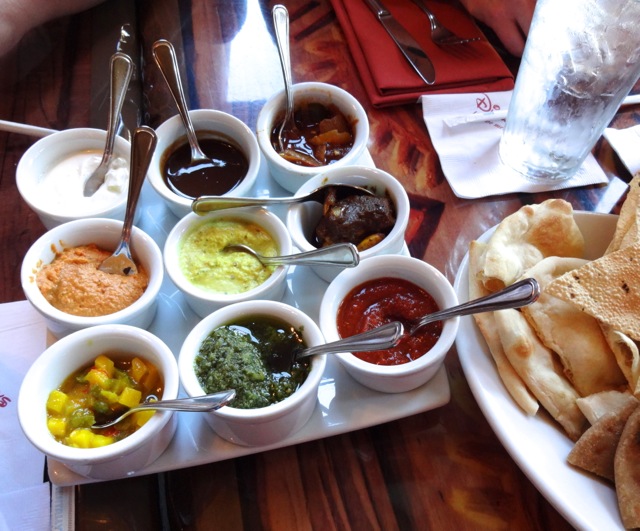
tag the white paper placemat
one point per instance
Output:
(469, 153)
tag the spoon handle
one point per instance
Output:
(382, 337)
(165, 56)
(518, 294)
(340, 254)
(281, 24)
(202, 205)
(121, 71)
(143, 145)
(196, 403)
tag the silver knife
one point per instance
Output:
(408, 46)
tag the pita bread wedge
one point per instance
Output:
(627, 472)
(595, 451)
(576, 337)
(607, 288)
(627, 356)
(487, 326)
(526, 237)
(597, 405)
(539, 369)
(628, 226)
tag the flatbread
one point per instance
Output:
(538, 367)
(628, 226)
(627, 356)
(607, 288)
(627, 472)
(597, 405)
(487, 326)
(576, 337)
(595, 451)
(526, 237)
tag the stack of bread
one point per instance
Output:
(575, 350)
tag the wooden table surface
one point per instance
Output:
(442, 469)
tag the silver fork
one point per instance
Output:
(439, 34)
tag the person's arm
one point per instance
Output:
(20, 16)
(509, 19)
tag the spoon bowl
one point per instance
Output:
(198, 403)
(142, 147)
(341, 254)
(202, 205)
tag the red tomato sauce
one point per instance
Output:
(382, 301)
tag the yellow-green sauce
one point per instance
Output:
(204, 263)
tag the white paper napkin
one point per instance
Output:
(626, 143)
(469, 153)
(24, 497)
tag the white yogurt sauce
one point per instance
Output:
(60, 190)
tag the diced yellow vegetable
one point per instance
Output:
(101, 440)
(151, 381)
(109, 396)
(98, 377)
(56, 426)
(57, 401)
(130, 397)
(80, 438)
(138, 369)
(106, 364)
(142, 417)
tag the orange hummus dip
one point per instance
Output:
(73, 284)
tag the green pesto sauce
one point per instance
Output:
(205, 265)
(240, 356)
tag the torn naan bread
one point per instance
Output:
(526, 237)
(487, 326)
(628, 226)
(576, 337)
(540, 370)
(595, 451)
(627, 472)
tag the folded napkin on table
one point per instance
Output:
(387, 76)
(626, 143)
(24, 497)
(469, 152)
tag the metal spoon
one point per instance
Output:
(142, 147)
(165, 56)
(388, 336)
(516, 295)
(208, 203)
(379, 338)
(121, 69)
(340, 254)
(281, 23)
(196, 403)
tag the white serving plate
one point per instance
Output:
(537, 444)
(343, 404)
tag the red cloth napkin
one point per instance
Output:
(387, 76)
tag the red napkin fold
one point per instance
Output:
(387, 76)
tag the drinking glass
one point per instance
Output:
(582, 57)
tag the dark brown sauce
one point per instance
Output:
(229, 166)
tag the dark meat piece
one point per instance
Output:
(354, 218)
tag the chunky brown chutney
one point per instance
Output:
(227, 168)
(321, 134)
(73, 283)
